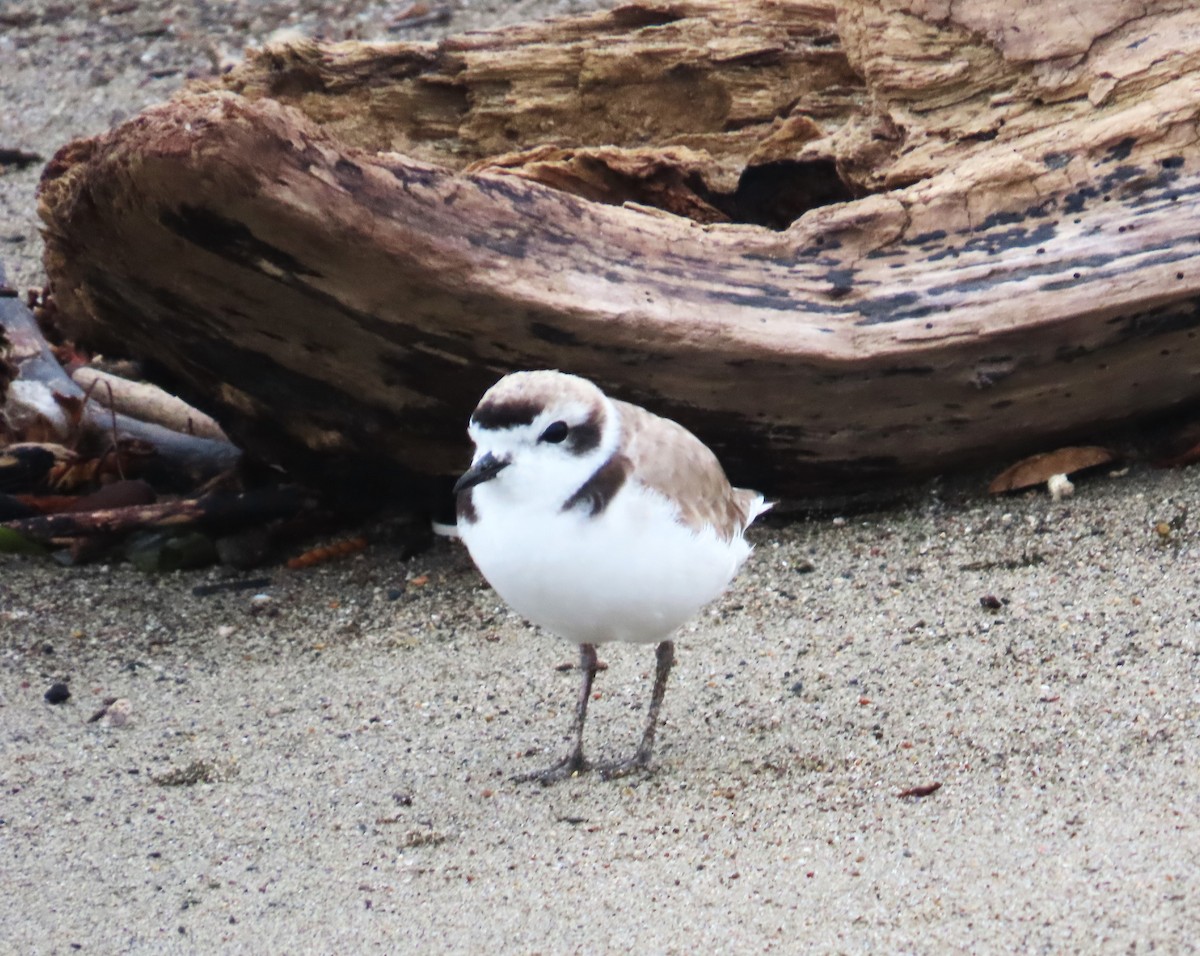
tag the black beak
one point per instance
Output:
(487, 468)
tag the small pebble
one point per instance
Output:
(263, 604)
(118, 713)
(58, 693)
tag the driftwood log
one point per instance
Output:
(842, 241)
(38, 384)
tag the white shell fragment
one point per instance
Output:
(1060, 487)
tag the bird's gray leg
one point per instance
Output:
(574, 762)
(588, 663)
(665, 656)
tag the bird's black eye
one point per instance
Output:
(555, 432)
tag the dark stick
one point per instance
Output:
(223, 510)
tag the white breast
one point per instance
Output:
(631, 573)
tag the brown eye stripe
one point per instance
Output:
(498, 415)
(586, 435)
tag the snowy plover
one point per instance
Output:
(599, 521)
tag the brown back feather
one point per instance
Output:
(671, 460)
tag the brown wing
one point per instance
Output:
(675, 463)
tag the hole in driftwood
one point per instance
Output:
(776, 194)
(633, 17)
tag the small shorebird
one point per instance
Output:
(598, 521)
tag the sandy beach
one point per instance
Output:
(322, 763)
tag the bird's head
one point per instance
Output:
(539, 435)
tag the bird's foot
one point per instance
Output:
(623, 768)
(569, 766)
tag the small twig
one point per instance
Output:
(220, 510)
(924, 790)
(18, 157)
(418, 15)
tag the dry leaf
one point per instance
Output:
(1038, 469)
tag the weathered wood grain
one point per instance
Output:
(1020, 265)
